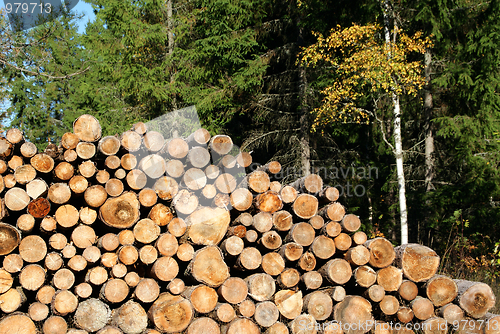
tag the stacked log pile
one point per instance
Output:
(140, 234)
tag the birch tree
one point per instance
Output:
(369, 62)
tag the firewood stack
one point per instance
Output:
(97, 237)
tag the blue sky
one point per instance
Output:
(86, 9)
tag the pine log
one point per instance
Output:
(441, 290)
(53, 261)
(92, 315)
(114, 290)
(418, 262)
(408, 290)
(365, 276)
(390, 278)
(130, 318)
(83, 236)
(136, 179)
(102, 176)
(45, 294)
(244, 219)
(36, 188)
(13, 263)
(171, 313)
(31, 278)
(338, 293)
(165, 268)
(343, 242)
(198, 157)
(6, 280)
(291, 251)
(42, 162)
(334, 212)
(223, 312)
(266, 314)
(270, 240)
(140, 127)
(212, 172)
(10, 237)
(185, 252)
(18, 323)
(6, 149)
(381, 252)
(83, 290)
(311, 184)
(350, 223)
(9, 181)
(226, 183)
(358, 255)
(232, 246)
(202, 298)
(24, 174)
(146, 231)
(375, 293)
(221, 144)
(336, 271)
(119, 270)
(112, 162)
(272, 264)
(200, 137)
(268, 201)
(288, 194)
(166, 187)
(64, 302)
(68, 251)
(208, 226)
(491, 324)
(359, 238)
(85, 151)
(14, 162)
(288, 278)
(405, 314)
(303, 324)
(475, 298)
(221, 201)
(422, 308)
(451, 313)
(305, 206)
(70, 156)
(14, 136)
(323, 247)
(176, 286)
(38, 311)
(234, 290)
(148, 254)
(167, 244)
(246, 308)
(240, 325)
(389, 305)
(48, 225)
(67, 216)
(78, 184)
(55, 325)
(63, 279)
(332, 229)
(177, 148)
(354, 310)
(95, 196)
(120, 212)
(131, 141)
(153, 141)
(16, 199)
(282, 220)
(312, 280)
(161, 215)
(128, 255)
(318, 304)
(261, 287)
(88, 215)
(203, 325)
(3, 166)
(317, 222)
(116, 330)
(12, 300)
(278, 328)
(329, 194)
(87, 128)
(96, 276)
(32, 248)
(302, 234)
(108, 242)
(249, 259)
(241, 199)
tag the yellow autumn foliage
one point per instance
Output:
(363, 62)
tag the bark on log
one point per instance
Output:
(475, 298)
(418, 262)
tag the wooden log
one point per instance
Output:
(109, 242)
(257, 181)
(85, 151)
(329, 194)
(241, 199)
(119, 270)
(408, 290)
(311, 184)
(37, 208)
(185, 202)
(83, 290)
(136, 179)
(109, 145)
(288, 194)
(87, 215)
(381, 252)
(171, 313)
(165, 268)
(63, 279)
(261, 287)
(203, 325)
(10, 238)
(64, 303)
(266, 314)
(6, 149)
(87, 169)
(140, 128)
(302, 234)
(120, 212)
(354, 309)
(200, 137)
(3, 166)
(14, 136)
(45, 294)
(418, 262)
(130, 318)
(225, 183)
(146, 231)
(304, 323)
(24, 174)
(48, 225)
(55, 325)
(131, 141)
(59, 193)
(475, 298)
(176, 286)
(331, 229)
(262, 222)
(359, 238)
(6, 281)
(9, 181)
(244, 219)
(441, 290)
(334, 212)
(162, 215)
(36, 188)
(277, 328)
(451, 313)
(358, 255)
(167, 244)
(32, 248)
(92, 315)
(53, 261)
(288, 278)
(126, 237)
(390, 278)
(305, 206)
(435, 325)
(202, 297)
(338, 293)
(221, 201)
(323, 247)
(336, 271)
(13, 263)
(405, 314)
(232, 246)
(18, 323)
(96, 276)
(244, 159)
(70, 156)
(12, 300)
(102, 176)
(272, 264)
(128, 255)
(212, 172)
(268, 201)
(350, 223)
(31, 278)
(221, 144)
(166, 188)
(95, 196)
(270, 240)
(67, 216)
(69, 141)
(375, 293)
(83, 236)
(343, 242)
(42, 162)
(317, 222)
(291, 251)
(491, 325)
(87, 128)
(246, 308)
(234, 290)
(240, 325)
(249, 259)
(14, 162)
(282, 220)
(68, 251)
(114, 290)
(148, 254)
(177, 148)
(78, 184)
(16, 199)
(64, 171)
(208, 226)
(275, 186)
(389, 305)
(365, 276)
(318, 304)
(422, 308)
(38, 311)
(198, 157)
